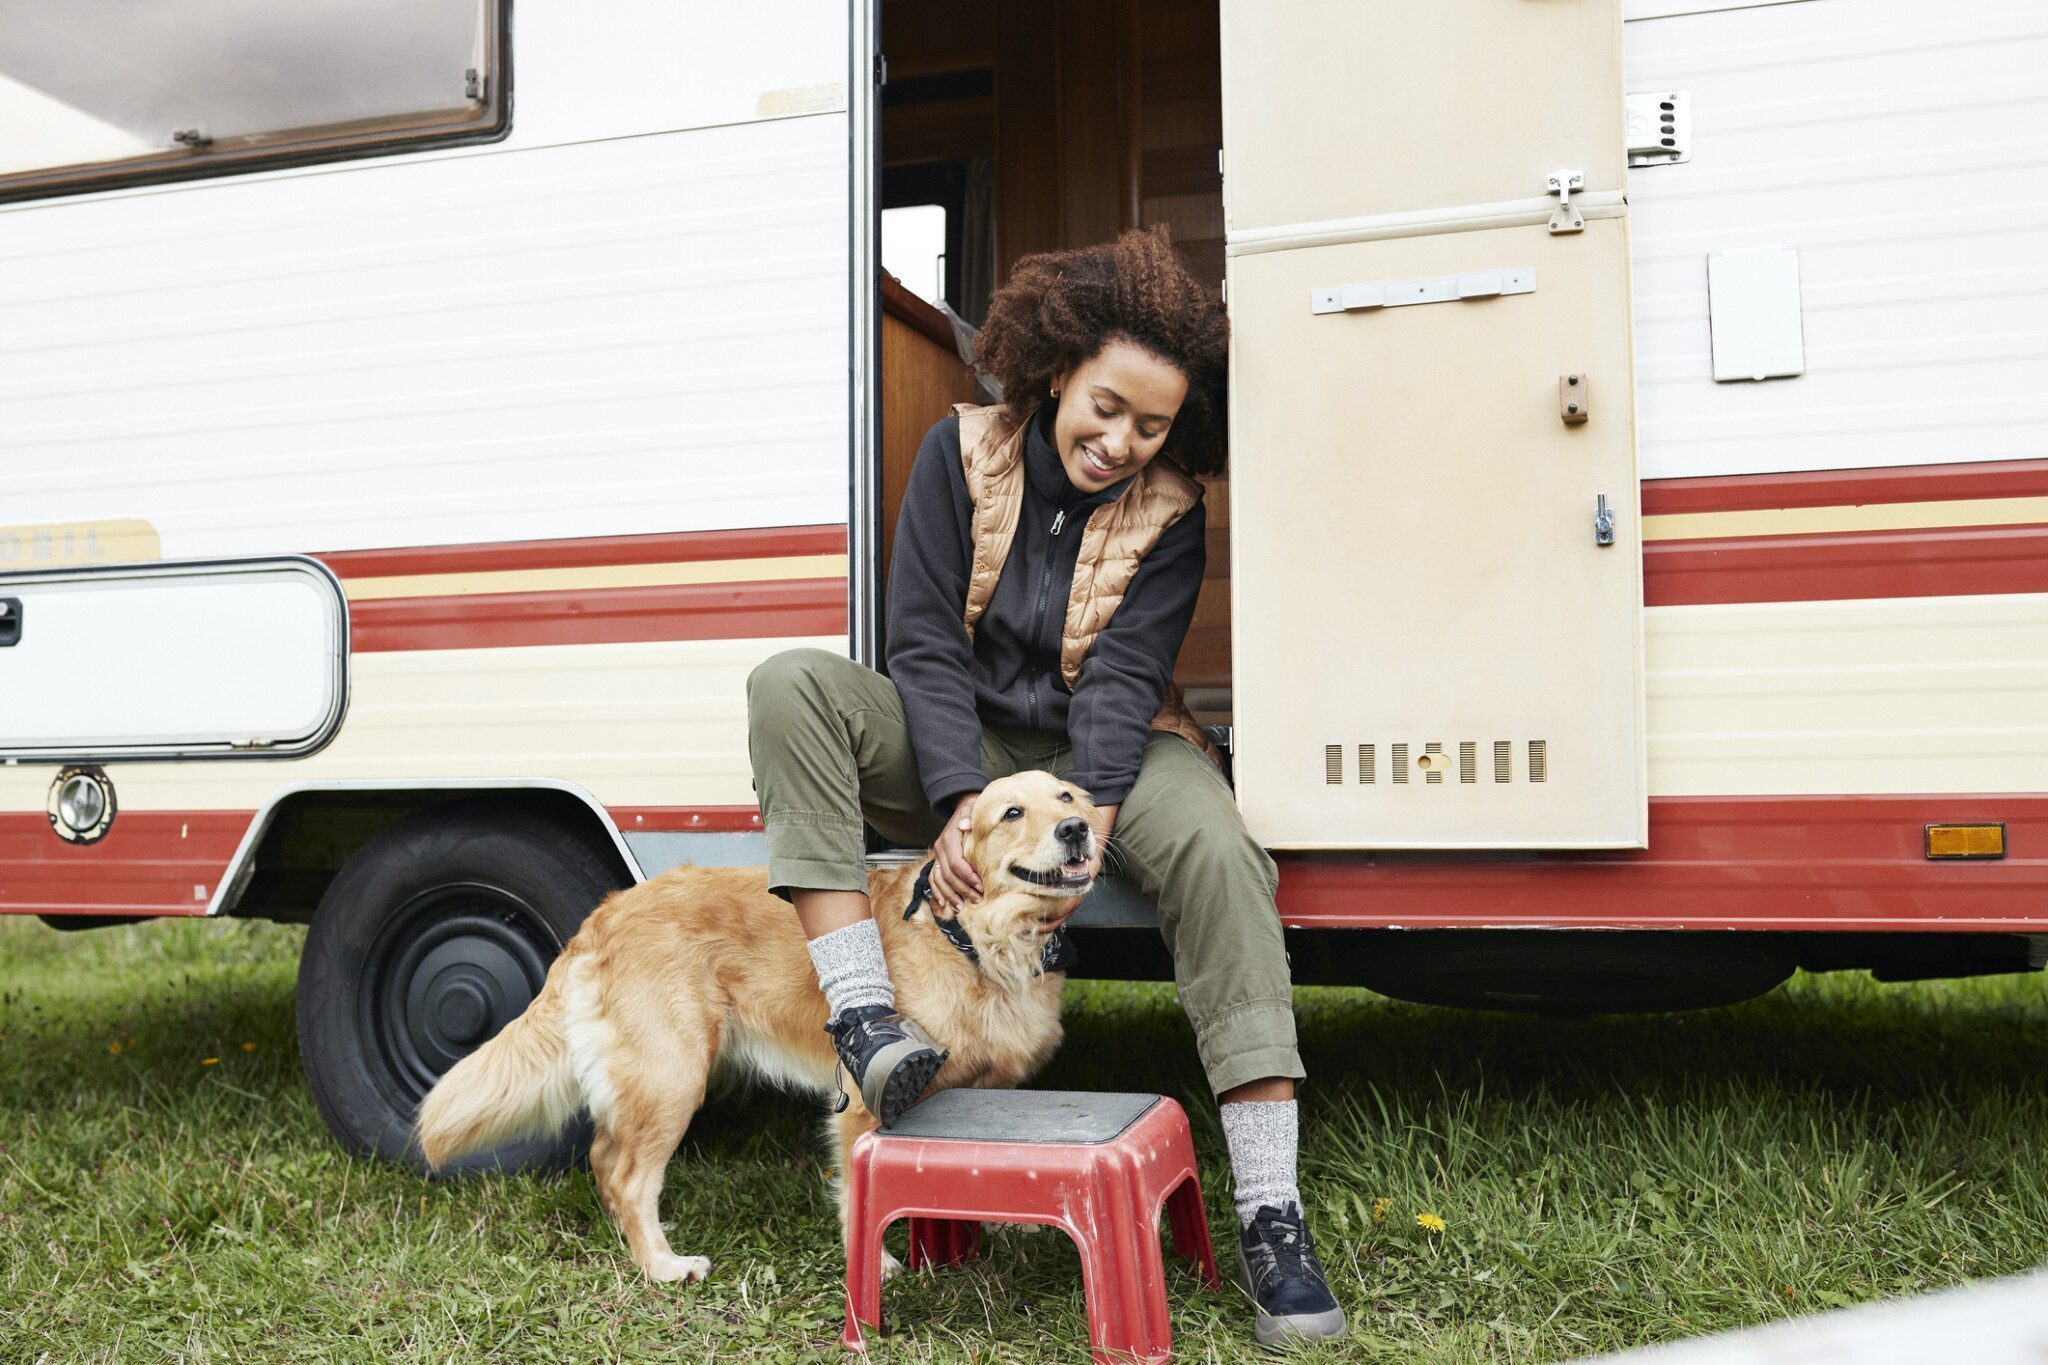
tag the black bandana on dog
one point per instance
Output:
(1060, 954)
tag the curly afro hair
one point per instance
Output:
(1060, 308)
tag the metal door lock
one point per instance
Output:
(1565, 218)
(1603, 523)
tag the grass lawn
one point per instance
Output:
(167, 1189)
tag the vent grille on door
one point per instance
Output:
(1433, 762)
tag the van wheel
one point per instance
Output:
(433, 936)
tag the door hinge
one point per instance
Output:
(881, 69)
(1659, 128)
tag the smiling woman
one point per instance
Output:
(95, 91)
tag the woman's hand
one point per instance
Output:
(953, 877)
(1104, 822)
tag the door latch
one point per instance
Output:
(1603, 523)
(1565, 218)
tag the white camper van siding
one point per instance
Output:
(651, 724)
(629, 318)
(539, 339)
(630, 336)
(1903, 150)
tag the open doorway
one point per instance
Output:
(1034, 125)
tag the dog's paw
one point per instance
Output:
(687, 1269)
(891, 1267)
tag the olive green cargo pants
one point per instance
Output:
(830, 746)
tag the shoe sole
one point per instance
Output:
(1278, 1333)
(899, 1074)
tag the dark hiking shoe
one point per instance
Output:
(1277, 1263)
(890, 1059)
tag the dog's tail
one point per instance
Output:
(518, 1084)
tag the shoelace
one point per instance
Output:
(1283, 1247)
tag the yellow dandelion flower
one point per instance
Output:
(114, 1048)
(1429, 1221)
(209, 1061)
(248, 1047)
(1380, 1207)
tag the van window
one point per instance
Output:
(914, 249)
(94, 92)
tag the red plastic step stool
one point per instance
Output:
(1099, 1166)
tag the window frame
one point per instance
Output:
(286, 148)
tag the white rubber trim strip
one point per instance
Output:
(1423, 223)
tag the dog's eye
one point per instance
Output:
(1067, 797)
(1014, 813)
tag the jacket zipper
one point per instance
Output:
(1059, 519)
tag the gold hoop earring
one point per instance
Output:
(1055, 393)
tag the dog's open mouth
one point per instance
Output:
(1067, 877)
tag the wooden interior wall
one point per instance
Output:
(923, 376)
(1107, 114)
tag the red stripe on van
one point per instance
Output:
(149, 863)
(677, 548)
(1846, 487)
(1836, 566)
(1714, 862)
(692, 611)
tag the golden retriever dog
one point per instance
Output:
(702, 966)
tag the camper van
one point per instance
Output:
(418, 416)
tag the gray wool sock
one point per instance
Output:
(1263, 1137)
(851, 968)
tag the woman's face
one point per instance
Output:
(1114, 411)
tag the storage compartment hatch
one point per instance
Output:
(183, 660)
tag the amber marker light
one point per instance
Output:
(1966, 841)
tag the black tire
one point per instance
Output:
(436, 934)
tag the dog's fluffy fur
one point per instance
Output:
(703, 965)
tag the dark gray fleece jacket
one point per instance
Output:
(1010, 674)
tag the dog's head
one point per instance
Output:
(1032, 841)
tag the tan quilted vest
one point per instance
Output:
(1117, 536)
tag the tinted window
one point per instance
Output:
(91, 88)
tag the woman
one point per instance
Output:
(1047, 561)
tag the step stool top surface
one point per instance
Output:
(1064, 1116)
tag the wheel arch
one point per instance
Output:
(301, 837)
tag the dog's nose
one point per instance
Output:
(1072, 830)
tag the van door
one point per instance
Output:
(183, 660)
(1436, 571)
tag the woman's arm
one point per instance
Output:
(1124, 678)
(928, 652)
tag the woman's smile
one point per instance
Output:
(1115, 409)
(1098, 464)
